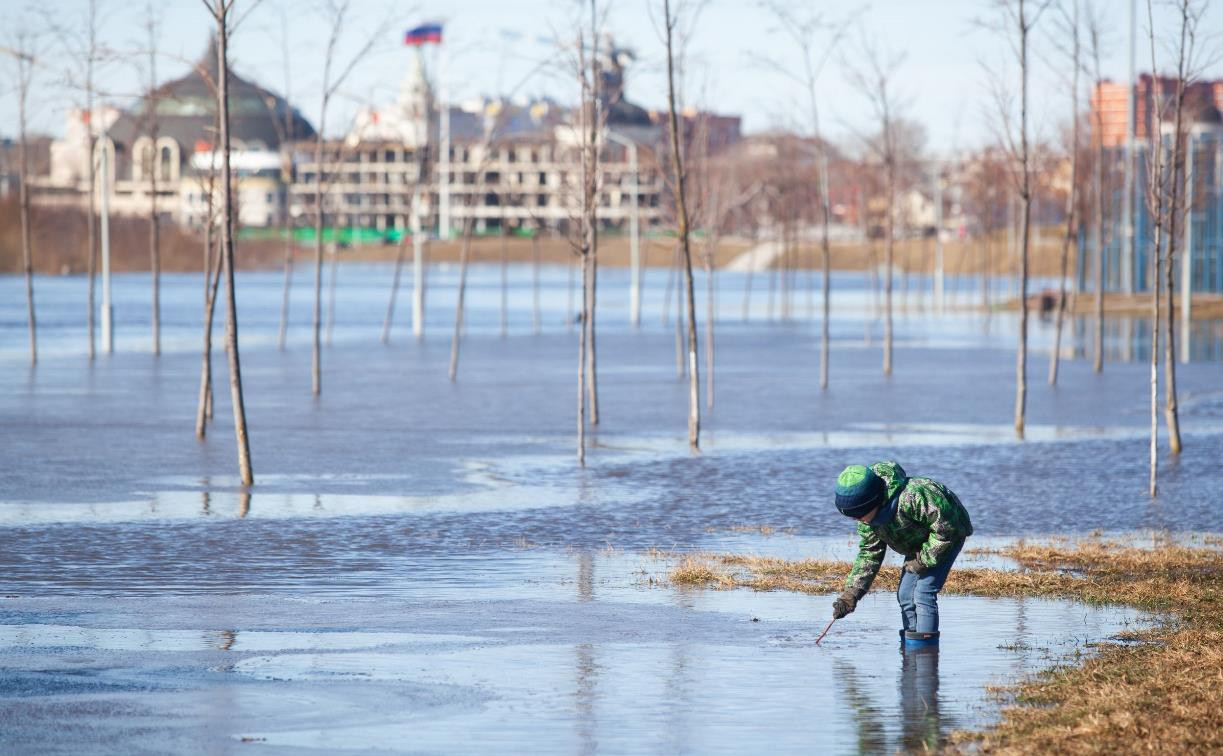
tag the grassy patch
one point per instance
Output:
(1161, 691)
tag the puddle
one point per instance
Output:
(543, 651)
(34, 636)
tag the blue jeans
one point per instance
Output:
(918, 596)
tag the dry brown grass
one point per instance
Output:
(1160, 693)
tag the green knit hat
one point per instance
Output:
(859, 490)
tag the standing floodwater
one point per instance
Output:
(423, 566)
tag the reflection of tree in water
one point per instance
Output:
(867, 715)
(587, 669)
(584, 698)
(677, 692)
(922, 728)
(225, 639)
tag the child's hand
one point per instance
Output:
(915, 566)
(844, 604)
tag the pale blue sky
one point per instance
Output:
(492, 46)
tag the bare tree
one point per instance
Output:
(212, 278)
(24, 49)
(1155, 203)
(670, 23)
(1071, 28)
(804, 31)
(876, 79)
(535, 234)
(504, 233)
(335, 72)
(151, 163)
(84, 54)
(594, 122)
(283, 123)
(221, 11)
(1094, 33)
(1189, 15)
(1017, 19)
(211, 266)
(492, 130)
(400, 250)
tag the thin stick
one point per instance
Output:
(826, 629)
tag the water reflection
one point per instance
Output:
(867, 714)
(922, 728)
(1129, 339)
(587, 670)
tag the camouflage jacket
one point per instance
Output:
(929, 520)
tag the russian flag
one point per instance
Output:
(423, 35)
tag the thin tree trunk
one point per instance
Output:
(889, 255)
(773, 267)
(1072, 204)
(287, 230)
(590, 284)
(592, 225)
(677, 164)
(1098, 334)
(227, 252)
(390, 308)
(212, 279)
(1155, 199)
(826, 283)
(27, 251)
(152, 165)
(1171, 416)
(505, 276)
(335, 254)
(747, 281)
(1152, 485)
(1021, 360)
(672, 269)
(464, 254)
(582, 382)
(155, 248)
(709, 318)
(91, 253)
(535, 319)
(569, 318)
(316, 385)
(420, 256)
(679, 320)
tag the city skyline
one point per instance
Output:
(493, 49)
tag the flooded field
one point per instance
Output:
(422, 567)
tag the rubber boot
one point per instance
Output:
(919, 640)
